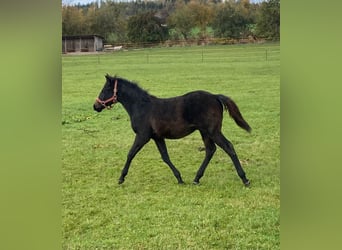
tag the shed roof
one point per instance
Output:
(80, 37)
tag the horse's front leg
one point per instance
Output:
(139, 142)
(165, 156)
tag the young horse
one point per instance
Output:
(173, 118)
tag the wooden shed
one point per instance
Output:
(82, 43)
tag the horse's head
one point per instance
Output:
(108, 94)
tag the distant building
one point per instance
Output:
(82, 43)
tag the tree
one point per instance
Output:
(268, 22)
(145, 21)
(181, 20)
(109, 22)
(187, 16)
(233, 20)
(146, 27)
(201, 14)
(72, 21)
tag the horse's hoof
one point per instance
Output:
(196, 182)
(121, 181)
(247, 183)
(181, 182)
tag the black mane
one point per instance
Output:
(132, 89)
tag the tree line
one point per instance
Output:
(173, 20)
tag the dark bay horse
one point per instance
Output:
(173, 118)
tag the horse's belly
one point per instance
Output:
(172, 131)
(178, 134)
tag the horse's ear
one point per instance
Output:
(107, 76)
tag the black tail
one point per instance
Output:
(234, 112)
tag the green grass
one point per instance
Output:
(150, 210)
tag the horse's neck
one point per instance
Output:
(132, 100)
(129, 105)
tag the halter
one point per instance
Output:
(114, 98)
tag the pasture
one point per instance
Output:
(150, 210)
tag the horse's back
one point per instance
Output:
(179, 116)
(201, 106)
(188, 106)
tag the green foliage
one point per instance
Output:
(268, 23)
(146, 28)
(181, 20)
(72, 21)
(232, 19)
(109, 21)
(201, 14)
(186, 17)
(229, 23)
(150, 210)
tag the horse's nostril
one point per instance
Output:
(97, 107)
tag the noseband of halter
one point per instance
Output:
(114, 98)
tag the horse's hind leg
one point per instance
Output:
(165, 156)
(227, 146)
(139, 142)
(210, 149)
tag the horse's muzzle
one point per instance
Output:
(98, 107)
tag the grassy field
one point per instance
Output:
(150, 210)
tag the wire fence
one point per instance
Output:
(188, 42)
(190, 54)
(201, 54)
